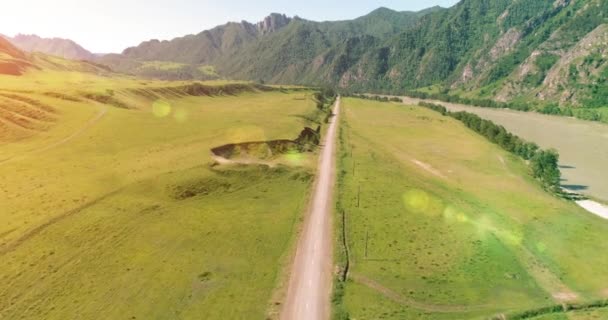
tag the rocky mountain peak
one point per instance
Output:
(272, 23)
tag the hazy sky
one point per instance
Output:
(104, 26)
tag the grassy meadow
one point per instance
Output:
(110, 206)
(441, 224)
(578, 142)
(577, 315)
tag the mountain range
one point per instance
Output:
(12, 60)
(16, 62)
(504, 50)
(278, 44)
(63, 48)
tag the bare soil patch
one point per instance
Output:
(428, 168)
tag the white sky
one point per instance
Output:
(105, 26)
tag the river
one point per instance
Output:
(582, 145)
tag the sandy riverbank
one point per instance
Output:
(594, 207)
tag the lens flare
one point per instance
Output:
(161, 108)
(417, 201)
(485, 226)
(541, 247)
(180, 115)
(461, 217)
(513, 238)
(294, 158)
(449, 213)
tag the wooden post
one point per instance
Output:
(345, 244)
(359, 197)
(366, 241)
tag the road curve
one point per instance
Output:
(308, 295)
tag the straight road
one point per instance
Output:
(308, 295)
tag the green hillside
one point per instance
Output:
(112, 204)
(550, 54)
(242, 50)
(442, 224)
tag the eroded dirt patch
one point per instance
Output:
(62, 96)
(22, 117)
(233, 179)
(428, 168)
(199, 187)
(106, 98)
(257, 149)
(565, 296)
(259, 152)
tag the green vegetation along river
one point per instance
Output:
(582, 145)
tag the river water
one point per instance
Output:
(582, 145)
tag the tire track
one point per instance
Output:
(37, 230)
(103, 110)
(400, 299)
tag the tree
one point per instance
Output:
(545, 167)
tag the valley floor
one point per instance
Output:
(580, 143)
(441, 224)
(119, 212)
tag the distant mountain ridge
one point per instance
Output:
(225, 46)
(12, 60)
(539, 51)
(63, 48)
(209, 45)
(16, 62)
(10, 50)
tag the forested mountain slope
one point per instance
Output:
(276, 46)
(550, 51)
(539, 50)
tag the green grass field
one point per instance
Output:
(584, 162)
(448, 226)
(117, 213)
(577, 315)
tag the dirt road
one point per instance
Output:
(308, 295)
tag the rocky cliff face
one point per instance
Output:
(273, 23)
(203, 48)
(570, 65)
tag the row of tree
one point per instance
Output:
(544, 164)
(373, 97)
(484, 103)
(551, 108)
(325, 97)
